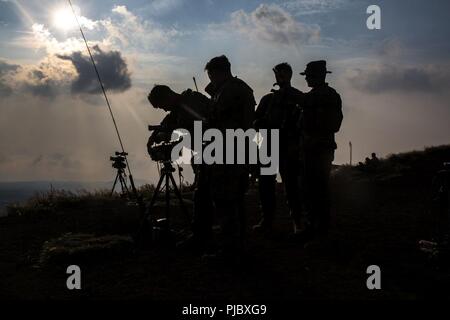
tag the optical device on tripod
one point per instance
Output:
(119, 163)
(161, 153)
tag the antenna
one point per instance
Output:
(195, 83)
(106, 97)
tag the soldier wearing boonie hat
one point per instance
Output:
(320, 120)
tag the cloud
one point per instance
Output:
(62, 74)
(47, 79)
(7, 71)
(389, 78)
(161, 7)
(64, 68)
(391, 47)
(42, 38)
(273, 24)
(125, 29)
(111, 65)
(309, 7)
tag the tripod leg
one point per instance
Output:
(168, 176)
(147, 212)
(123, 183)
(180, 198)
(155, 195)
(114, 185)
(126, 188)
(139, 197)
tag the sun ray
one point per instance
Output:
(29, 19)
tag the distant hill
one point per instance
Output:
(12, 192)
(415, 167)
(425, 162)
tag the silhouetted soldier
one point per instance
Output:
(321, 119)
(185, 108)
(280, 110)
(233, 107)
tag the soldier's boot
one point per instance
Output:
(265, 225)
(304, 230)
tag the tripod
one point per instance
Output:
(166, 178)
(119, 162)
(121, 177)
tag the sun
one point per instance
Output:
(63, 19)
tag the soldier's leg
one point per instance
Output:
(289, 172)
(267, 196)
(203, 208)
(323, 199)
(229, 191)
(317, 173)
(242, 214)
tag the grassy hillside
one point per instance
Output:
(378, 218)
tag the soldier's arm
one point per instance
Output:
(202, 105)
(329, 114)
(249, 105)
(195, 108)
(261, 112)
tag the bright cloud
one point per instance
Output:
(273, 24)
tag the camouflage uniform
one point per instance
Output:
(279, 110)
(321, 119)
(232, 107)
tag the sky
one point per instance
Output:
(54, 124)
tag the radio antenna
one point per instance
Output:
(195, 83)
(106, 97)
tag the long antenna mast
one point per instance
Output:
(104, 94)
(195, 83)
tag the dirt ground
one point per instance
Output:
(374, 223)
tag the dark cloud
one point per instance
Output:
(111, 65)
(388, 78)
(6, 69)
(39, 81)
(41, 84)
(273, 24)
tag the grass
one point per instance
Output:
(55, 200)
(372, 223)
